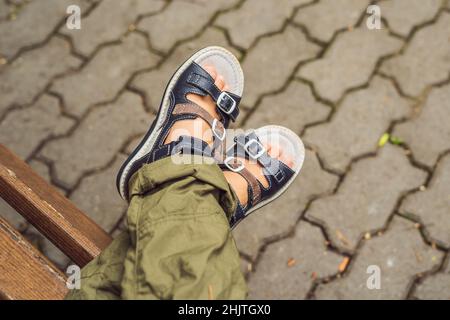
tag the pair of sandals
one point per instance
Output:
(191, 78)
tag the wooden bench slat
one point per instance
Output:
(24, 273)
(58, 219)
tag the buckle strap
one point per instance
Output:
(217, 127)
(238, 166)
(225, 102)
(249, 145)
(185, 145)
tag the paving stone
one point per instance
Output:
(32, 24)
(299, 105)
(433, 205)
(403, 15)
(426, 59)
(97, 196)
(358, 124)
(102, 78)
(12, 217)
(435, 287)
(108, 22)
(181, 20)
(98, 138)
(5, 10)
(280, 216)
(326, 17)
(428, 135)
(24, 129)
(349, 62)
(366, 197)
(28, 75)
(287, 268)
(255, 18)
(154, 82)
(134, 143)
(270, 63)
(400, 254)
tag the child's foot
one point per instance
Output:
(198, 127)
(240, 185)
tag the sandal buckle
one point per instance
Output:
(224, 101)
(216, 132)
(259, 146)
(229, 166)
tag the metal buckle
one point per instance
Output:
(216, 133)
(247, 149)
(227, 164)
(226, 97)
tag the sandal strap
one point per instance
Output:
(184, 145)
(226, 102)
(254, 186)
(217, 127)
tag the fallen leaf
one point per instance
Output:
(384, 138)
(291, 262)
(343, 264)
(342, 238)
(396, 140)
(314, 275)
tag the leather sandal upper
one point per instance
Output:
(197, 81)
(277, 173)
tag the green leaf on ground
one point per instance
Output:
(384, 138)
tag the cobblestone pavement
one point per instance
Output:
(73, 103)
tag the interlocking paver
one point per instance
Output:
(403, 15)
(276, 278)
(428, 135)
(98, 138)
(181, 20)
(256, 18)
(33, 23)
(425, 60)
(98, 28)
(5, 10)
(24, 129)
(435, 287)
(153, 83)
(358, 124)
(27, 76)
(367, 196)
(400, 254)
(326, 17)
(433, 204)
(102, 78)
(299, 105)
(97, 196)
(267, 69)
(281, 216)
(349, 62)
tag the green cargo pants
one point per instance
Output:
(178, 244)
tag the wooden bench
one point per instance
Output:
(24, 272)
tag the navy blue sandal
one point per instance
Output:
(189, 78)
(250, 146)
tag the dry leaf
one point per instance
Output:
(291, 262)
(314, 275)
(343, 264)
(342, 238)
